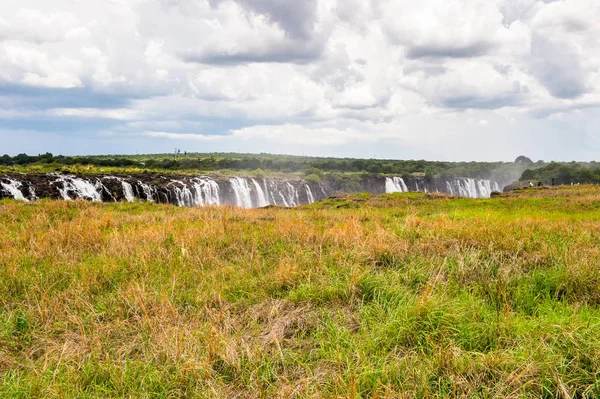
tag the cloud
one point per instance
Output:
(241, 31)
(183, 136)
(448, 28)
(284, 134)
(279, 51)
(558, 68)
(297, 19)
(452, 50)
(344, 77)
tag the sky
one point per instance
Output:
(455, 80)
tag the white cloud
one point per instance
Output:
(328, 73)
(182, 136)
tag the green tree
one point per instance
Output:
(523, 159)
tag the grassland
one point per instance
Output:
(403, 295)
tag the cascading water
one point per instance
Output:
(309, 194)
(242, 192)
(462, 187)
(128, 191)
(148, 191)
(292, 195)
(285, 203)
(263, 200)
(395, 185)
(183, 195)
(126, 186)
(13, 187)
(80, 188)
(449, 188)
(237, 191)
(275, 195)
(207, 191)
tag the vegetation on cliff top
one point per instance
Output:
(277, 165)
(403, 295)
(564, 173)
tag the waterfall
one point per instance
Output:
(472, 188)
(128, 191)
(309, 194)
(82, 189)
(485, 188)
(284, 194)
(148, 191)
(262, 199)
(101, 188)
(207, 191)
(395, 185)
(462, 186)
(285, 203)
(270, 193)
(421, 187)
(293, 198)
(242, 192)
(183, 195)
(13, 188)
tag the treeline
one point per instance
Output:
(501, 171)
(48, 158)
(560, 173)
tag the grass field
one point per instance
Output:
(402, 295)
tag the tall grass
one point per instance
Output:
(403, 295)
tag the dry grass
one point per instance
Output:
(392, 296)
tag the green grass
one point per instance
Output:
(403, 295)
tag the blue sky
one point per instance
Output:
(434, 79)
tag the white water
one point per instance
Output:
(309, 194)
(262, 198)
(183, 195)
(449, 188)
(206, 192)
(285, 203)
(471, 188)
(462, 187)
(148, 191)
(128, 191)
(395, 185)
(292, 194)
(82, 189)
(13, 188)
(275, 195)
(241, 189)
(244, 192)
(270, 193)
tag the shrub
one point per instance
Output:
(314, 171)
(259, 173)
(313, 178)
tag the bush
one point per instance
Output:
(259, 173)
(313, 178)
(314, 171)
